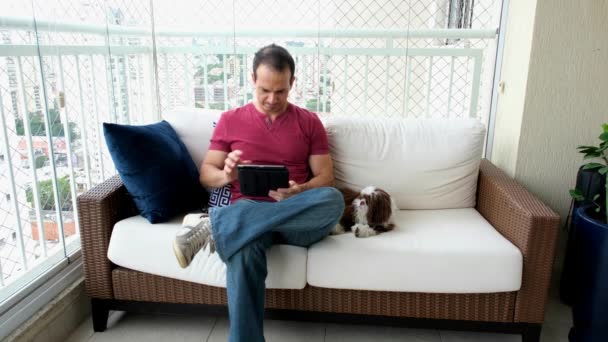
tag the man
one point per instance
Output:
(268, 131)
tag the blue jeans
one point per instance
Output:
(242, 233)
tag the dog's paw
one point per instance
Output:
(363, 230)
(338, 229)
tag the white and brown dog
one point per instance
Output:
(366, 213)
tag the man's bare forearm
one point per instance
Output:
(212, 176)
(319, 181)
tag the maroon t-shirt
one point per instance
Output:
(290, 140)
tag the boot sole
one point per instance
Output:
(181, 259)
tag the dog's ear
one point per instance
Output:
(380, 208)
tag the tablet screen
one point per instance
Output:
(258, 180)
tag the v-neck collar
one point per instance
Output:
(265, 120)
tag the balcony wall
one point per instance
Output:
(563, 94)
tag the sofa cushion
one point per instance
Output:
(156, 169)
(432, 251)
(220, 197)
(424, 164)
(194, 127)
(140, 246)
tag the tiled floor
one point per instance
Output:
(174, 328)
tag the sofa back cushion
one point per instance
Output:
(422, 163)
(194, 127)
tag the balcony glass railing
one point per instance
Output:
(61, 78)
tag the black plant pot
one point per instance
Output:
(590, 307)
(590, 183)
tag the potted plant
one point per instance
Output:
(598, 153)
(590, 301)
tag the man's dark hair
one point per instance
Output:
(274, 56)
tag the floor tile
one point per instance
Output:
(292, 331)
(220, 330)
(366, 333)
(152, 328)
(466, 336)
(275, 331)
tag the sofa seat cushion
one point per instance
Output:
(141, 246)
(432, 251)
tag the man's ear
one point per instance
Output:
(253, 79)
(293, 79)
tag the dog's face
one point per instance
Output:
(372, 206)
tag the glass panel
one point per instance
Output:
(293, 25)
(133, 86)
(68, 66)
(197, 66)
(30, 234)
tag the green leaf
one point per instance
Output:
(577, 194)
(597, 210)
(604, 136)
(592, 155)
(603, 170)
(589, 150)
(589, 166)
(605, 127)
(596, 196)
(585, 147)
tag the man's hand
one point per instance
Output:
(230, 164)
(284, 193)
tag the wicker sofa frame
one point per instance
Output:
(517, 214)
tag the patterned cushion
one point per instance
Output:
(220, 197)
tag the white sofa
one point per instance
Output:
(444, 247)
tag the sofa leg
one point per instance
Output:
(531, 333)
(100, 312)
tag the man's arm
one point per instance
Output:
(219, 168)
(322, 168)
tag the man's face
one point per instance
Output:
(271, 89)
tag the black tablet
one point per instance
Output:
(257, 180)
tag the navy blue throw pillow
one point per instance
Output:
(156, 168)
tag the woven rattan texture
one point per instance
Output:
(495, 307)
(511, 209)
(531, 226)
(98, 210)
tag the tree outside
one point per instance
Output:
(46, 194)
(38, 128)
(312, 105)
(40, 160)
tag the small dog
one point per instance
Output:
(366, 213)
